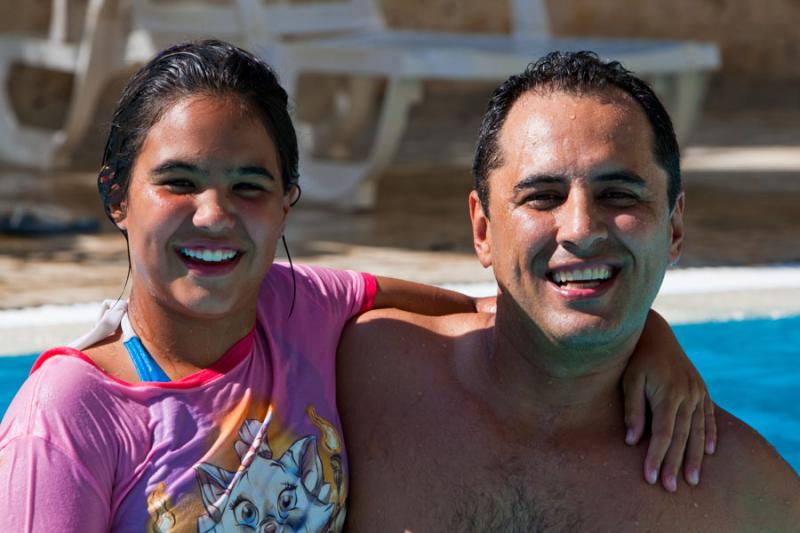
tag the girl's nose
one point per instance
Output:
(214, 211)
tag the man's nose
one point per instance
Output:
(580, 224)
(214, 211)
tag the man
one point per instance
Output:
(511, 422)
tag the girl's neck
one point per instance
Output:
(181, 342)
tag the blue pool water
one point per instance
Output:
(751, 367)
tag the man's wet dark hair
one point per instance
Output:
(212, 68)
(575, 73)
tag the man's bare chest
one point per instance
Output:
(453, 481)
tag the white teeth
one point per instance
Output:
(209, 256)
(582, 274)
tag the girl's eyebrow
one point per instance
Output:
(168, 167)
(176, 166)
(251, 170)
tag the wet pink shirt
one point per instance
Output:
(254, 440)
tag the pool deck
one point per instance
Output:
(741, 175)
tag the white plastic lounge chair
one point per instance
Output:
(358, 44)
(115, 35)
(344, 38)
(18, 143)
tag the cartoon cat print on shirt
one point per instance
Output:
(287, 494)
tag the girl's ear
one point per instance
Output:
(118, 212)
(291, 197)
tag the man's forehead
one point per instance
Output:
(569, 128)
(539, 114)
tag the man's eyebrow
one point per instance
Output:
(529, 182)
(625, 176)
(251, 170)
(170, 166)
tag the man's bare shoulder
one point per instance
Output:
(394, 330)
(753, 475)
(396, 348)
(460, 321)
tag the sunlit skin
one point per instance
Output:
(207, 177)
(578, 187)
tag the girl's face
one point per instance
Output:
(205, 208)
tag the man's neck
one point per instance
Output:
(536, 380)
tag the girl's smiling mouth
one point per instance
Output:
(206, 261)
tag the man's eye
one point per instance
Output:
(544, 200)
(620, 198)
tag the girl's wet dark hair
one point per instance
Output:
(208, 67)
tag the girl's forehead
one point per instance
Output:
(232, 108)
(212, 131)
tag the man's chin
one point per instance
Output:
(585, 331)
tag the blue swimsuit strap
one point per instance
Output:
(146, 367)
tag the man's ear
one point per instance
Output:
(481, 236)
(676, 228)
(118, 214)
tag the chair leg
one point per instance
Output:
(357, 107)
(20, 144)
(100, 57)
(682, 94)
(353, 185)
(690, 89)
(401, 94)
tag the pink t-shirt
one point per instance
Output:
(254, 440)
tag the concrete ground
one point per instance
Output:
(742, 179)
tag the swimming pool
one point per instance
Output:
(750, 366)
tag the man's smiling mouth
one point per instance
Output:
(582, 277)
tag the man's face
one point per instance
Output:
(579, 231)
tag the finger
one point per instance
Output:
(694, 448)
(677, 448)
(711, 425)
(635, 405)
(662, 428)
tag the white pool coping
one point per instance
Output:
(686, 296)
(695, 280)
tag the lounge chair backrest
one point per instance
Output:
(283, 18)
(529, 18)
(179, 21)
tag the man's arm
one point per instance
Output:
(763, 490)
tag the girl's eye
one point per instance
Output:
(178, 184)
(247, 187)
